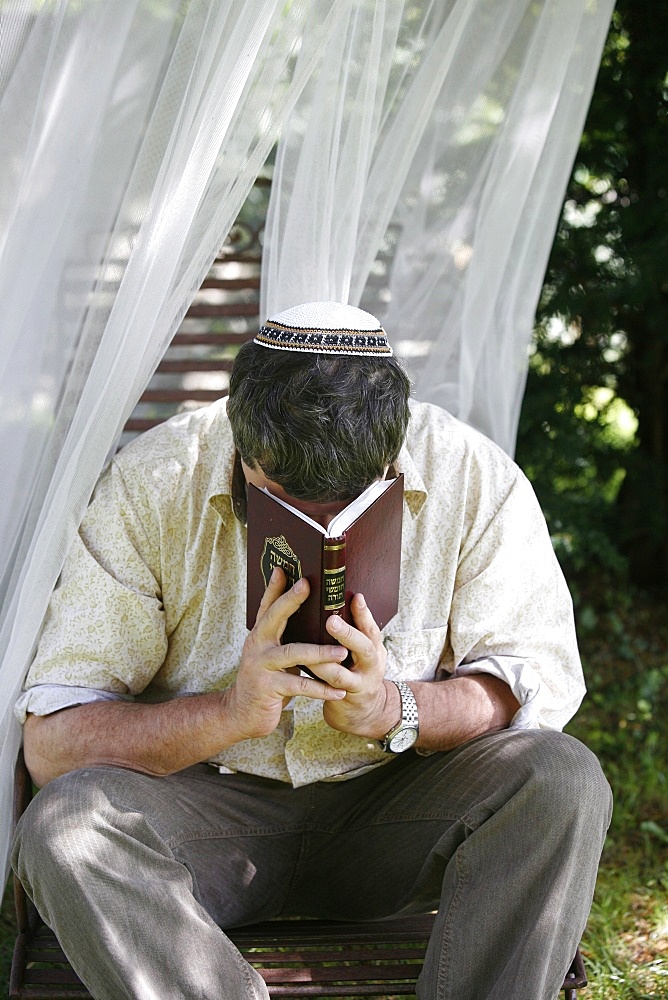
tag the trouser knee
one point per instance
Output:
(567, 779)
(50, 833)
(69, 825)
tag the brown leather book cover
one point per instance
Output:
(365, 559)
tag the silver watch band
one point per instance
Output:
(405, 733)
(409, 709)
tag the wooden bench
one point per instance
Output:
(295, 958)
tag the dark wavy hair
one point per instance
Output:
(323, 427)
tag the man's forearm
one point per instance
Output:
(157, 739)
(167, 737)
(453, 711)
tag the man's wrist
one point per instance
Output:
(391, 711)
(231, 713)
(404, 733)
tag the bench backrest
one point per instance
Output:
(224, 313)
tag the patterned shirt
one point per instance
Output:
(151, 600)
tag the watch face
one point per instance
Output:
(402, 740)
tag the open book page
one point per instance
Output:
(345, 517)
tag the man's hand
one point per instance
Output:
(372, 705)
(269, 672)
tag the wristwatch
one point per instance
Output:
(402, 736)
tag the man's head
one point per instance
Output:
(322, 423)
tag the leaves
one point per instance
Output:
(594, 427)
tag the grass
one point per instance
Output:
(624, 720)
(626, 942)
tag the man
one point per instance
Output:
(197, 779)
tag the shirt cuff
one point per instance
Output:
(520, 677)
(43, 699)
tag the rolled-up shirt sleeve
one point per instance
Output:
(512, 613)
(44, 699)
(104, 632)
(522, 680)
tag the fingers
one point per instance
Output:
(341, 678)
(365, 620)
(362, 712)
(263, 647)
(298, 685)
(329, 680)
(275, 588)
(364, 640)
(304, 654)
(276, 606)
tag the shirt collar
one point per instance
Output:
(415, 491)
(228, 494)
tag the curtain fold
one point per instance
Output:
(432, 200)
(425, 147)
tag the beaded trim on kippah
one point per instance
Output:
(353, 342)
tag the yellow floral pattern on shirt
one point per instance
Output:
(151, 601)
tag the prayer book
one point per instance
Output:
(359, 552)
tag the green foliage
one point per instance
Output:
(624, 723)
(601, 344)
(624, 719)
(593, 438)
(574, 436)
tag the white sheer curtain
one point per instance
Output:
(438, 132)
(442, 133)
(131, 133)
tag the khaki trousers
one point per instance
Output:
(137, 875)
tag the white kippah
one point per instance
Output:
(325, 328)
